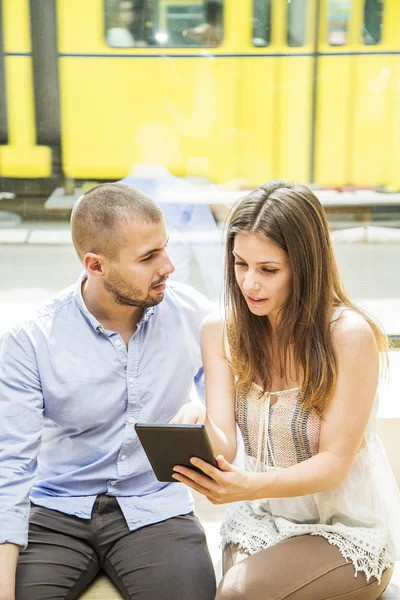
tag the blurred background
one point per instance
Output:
(195, 102)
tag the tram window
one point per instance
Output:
(338, 21)
(296, 23)
(373, 17)
(168, 23)
(261, 35)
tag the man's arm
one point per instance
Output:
(21, 420)
(8, 566)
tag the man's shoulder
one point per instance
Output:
(187, 298)
(45, 314)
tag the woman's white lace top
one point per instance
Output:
(361, 516)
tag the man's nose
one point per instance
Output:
(168, 267)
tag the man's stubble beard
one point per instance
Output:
(127, 295)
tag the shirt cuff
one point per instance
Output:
(14, 530)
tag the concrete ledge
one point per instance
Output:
(366, 234)
(14, 236)
(102, 588)
(212, 194)
(50, 236)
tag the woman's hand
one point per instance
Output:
(192, 412)
(226, 484)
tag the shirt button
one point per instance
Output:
(123, 457)
(118, 342)
(131, 420)
(130, 379)
(113, 483)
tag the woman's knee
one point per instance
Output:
(234, 586)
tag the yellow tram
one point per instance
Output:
(301, 89)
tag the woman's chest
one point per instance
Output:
(275, 427)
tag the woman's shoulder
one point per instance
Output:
(213, 332)
(351, 328)
(213, 324)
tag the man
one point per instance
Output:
(208, 33)
(118, 347)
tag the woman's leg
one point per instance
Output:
(300, 568)
(232, 555)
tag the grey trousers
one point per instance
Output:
(166, 560)
(306, 567)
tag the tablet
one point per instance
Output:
(170, 445)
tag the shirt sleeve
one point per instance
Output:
(205, 308)
(199, 384)
(21, 421)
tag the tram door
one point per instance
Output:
(21, 154)
(356, 115)
(335, 117)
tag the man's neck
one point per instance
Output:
(122, 319)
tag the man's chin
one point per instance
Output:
(157, 298)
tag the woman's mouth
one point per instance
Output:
(255, 301)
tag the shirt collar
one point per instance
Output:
(97, 326)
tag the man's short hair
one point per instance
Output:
(98, 216)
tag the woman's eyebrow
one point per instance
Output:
(262, 262)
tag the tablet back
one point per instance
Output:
(170, 445)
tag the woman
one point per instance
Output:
(128, 24)
(295, 364)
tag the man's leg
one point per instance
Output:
(59, 563)
(167, 560)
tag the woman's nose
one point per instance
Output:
(251, 285)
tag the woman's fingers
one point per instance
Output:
(202, 480)
(192, 484)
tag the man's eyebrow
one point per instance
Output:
(263, 262)
(153, 250)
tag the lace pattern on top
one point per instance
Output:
(363, 547)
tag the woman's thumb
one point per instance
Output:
(223, 464)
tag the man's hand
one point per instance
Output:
(192, 412)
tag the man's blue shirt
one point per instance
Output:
(70, 395)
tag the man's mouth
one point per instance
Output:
(159, 286)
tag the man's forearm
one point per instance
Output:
(8, 566)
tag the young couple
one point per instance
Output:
(314, 513)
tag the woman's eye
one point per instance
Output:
(270, 271)
(240, 264)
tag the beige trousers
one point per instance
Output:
(301, 568)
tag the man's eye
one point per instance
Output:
(148, 258)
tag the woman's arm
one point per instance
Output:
(346, 418)
(219, 417)
(342, 429)
(220, 394)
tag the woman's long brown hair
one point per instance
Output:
(291, 217)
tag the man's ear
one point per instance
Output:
(94, 264)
